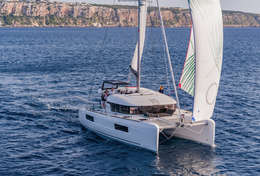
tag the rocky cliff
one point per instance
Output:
(17, 13)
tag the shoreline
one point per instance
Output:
(28, 26)
(44, 13)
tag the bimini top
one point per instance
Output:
(145, 97)
(114, 84)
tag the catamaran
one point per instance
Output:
(140, 116)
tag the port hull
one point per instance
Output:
(136, 133)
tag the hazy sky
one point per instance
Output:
(238, 5)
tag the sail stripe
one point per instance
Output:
(187, 78)
(187, 82)
(188, 67)
(187, 71)
(189, 85)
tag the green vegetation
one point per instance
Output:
(8, 20)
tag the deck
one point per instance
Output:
(167, 122)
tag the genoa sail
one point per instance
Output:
(142, 21)
(208, 38)
(188, 73)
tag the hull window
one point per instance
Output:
(90, 118)
(121, 128)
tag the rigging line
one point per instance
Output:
(167, 74)
(165, 59)
(163, 54)
(100, 46)
(167, 137)
(150, 9)
(106, 28)
(169, 59)
(153, 24)
(123, 70)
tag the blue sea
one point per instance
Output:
(47, 74)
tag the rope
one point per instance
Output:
(167, 74)
(169, 59)
(167, 137)
(101, 45)
(124, 70)
(170, 66)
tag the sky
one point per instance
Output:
(252, 6)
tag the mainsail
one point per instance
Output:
(142, 22)
(208, 37)
(187, 78)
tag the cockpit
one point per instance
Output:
(125, 100)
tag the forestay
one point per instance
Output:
(208, 35)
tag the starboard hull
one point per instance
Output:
(202, 132)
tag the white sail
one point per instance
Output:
(188, 73)
(208, 35)
(143, 16)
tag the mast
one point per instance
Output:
(141, 3)
(135, 66)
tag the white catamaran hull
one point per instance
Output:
(201, 132)
(131, 132)
(145, 134)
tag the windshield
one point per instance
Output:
(109, 86)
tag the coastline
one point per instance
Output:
(44, 13)
(58, 26)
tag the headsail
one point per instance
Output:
(143, 16)
(208, 35)
(188, 73)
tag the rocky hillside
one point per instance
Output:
(18, 13)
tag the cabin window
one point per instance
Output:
(134, 110)
(124, 109)
(120, 108)
(90, 118)
(121, 128)
(150, 111)
(158, 111)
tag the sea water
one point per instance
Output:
(47, 74)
